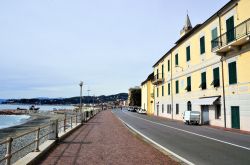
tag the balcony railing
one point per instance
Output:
(238, 33)
(158, 78)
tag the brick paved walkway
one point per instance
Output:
(104, 140)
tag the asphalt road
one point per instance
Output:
(197, 144)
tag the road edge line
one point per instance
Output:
(171, 153)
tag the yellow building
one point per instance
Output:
(208, 70)
(147, 95)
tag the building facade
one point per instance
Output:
(207, 70)
(147, 95)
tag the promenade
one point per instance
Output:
(104, 140)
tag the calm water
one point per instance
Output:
(42, 107)
(12, 120)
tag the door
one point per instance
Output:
(235, 115)
(230, 29)
(205, 114)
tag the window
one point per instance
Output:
(162, 108)
(188, 53)
(216, 76)
(232, 73)
(168, 88)
(169, 108)
(162, 71)
(202, 45)
(218, 112)
(176, 86)
(162, 90)
(189, 106)
(157, 74)
(203, 81)
(214, 38)
(168, 65)
(188, 88)
(157, 92)
(176, 60)
(177, 109)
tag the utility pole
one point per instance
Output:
(81, 84)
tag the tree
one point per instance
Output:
(135, 97)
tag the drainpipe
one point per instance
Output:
(171, 83)
(223, 81)
(223, 87)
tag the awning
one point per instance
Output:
(205, 101)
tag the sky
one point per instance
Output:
(48, 46)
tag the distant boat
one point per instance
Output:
(23, 109)
(33, 108)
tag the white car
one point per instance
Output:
(142, 111)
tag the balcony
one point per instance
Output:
(158, 79)
(233, 39)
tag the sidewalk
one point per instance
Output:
(104, 140)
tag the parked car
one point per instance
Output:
(191, 117)
(142, 111)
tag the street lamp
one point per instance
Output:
(81, 84)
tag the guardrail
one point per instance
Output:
(31, 140)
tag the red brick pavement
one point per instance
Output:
(104, 140)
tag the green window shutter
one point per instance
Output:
(162, 70)
(157, 92)
(176, 86)
(202, 45)
(214, 36)
(176, 60)
(216, 76)
(188, 53)
(232, 73)
(162, 90)
(157, 73)
(168, 88)
(203, 80)
(168, 65)
(189, 84)
(230, 29)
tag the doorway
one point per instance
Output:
(235, 117)
(205, 114)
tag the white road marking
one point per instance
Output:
(157, 144)
(207, 137)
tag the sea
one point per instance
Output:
(42, 107)
(12, 120)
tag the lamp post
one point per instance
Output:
(81, 84)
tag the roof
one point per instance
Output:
(195, 29)
(150, 77)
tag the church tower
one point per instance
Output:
(187, 26)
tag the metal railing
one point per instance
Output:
(30, 141)
(236, 33)
(158, 78)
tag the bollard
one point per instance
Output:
(8, 152)
(37, 140)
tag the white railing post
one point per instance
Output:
(54, 128)
(64, 123)
(71, 122)
(8, 152)
(76, 119)
(37, 140)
